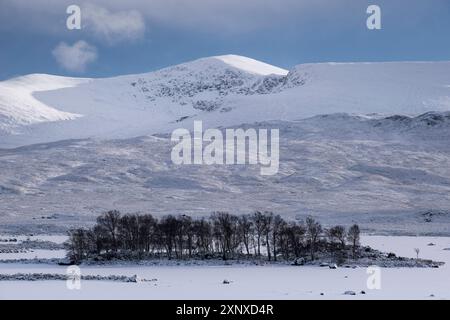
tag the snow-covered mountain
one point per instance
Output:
(363, 142)
(222, 91)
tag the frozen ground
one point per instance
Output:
(251, 282)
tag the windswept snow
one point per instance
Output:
(19, 106)
(251, 65)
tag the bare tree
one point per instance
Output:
(187, 231)
(77, 245)
(354, 236)
(284, 241)
(267, 229)
(295, 234)
(109, 221)
(277, 226)
(339, 234)
(313, 232)
(128, 232)
(259, 224)
(203, 235)
(245, 226)
(169, 226)
(226, 232)
(147, 232)
(99, 239)
(417, 251)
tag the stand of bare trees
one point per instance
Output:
(261, 235)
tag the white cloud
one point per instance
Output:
(112, 27)
(75, 58)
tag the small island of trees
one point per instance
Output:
(258, 236)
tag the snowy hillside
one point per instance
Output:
(364, 142)
(18, 106)
(223, 91)
(387, 174)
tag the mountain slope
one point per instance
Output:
(387, 174)
(222, 91)
(18, 106)
(390, 88)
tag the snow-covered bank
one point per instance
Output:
(251, 282)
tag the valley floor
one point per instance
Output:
(250, 282)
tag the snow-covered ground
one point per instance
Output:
(250, 282)
(58, 239)
(32, 254)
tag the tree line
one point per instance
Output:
(262, 235)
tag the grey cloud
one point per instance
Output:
(112, 26)
(213, 15)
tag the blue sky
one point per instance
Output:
(121, 37)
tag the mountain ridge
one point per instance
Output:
(222, 91)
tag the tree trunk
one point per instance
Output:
(269, 255)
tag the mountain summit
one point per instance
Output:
(248, 65)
